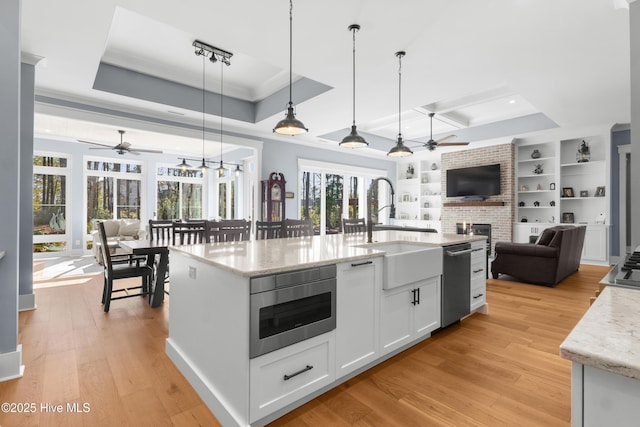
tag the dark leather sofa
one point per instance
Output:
(554, 257)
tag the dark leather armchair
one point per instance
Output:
(547, 262)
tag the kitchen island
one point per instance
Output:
(213, 316)
(604, 349)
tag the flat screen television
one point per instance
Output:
(474, 183)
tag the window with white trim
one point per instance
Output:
(179, 193)
(51, 183)
(329, 192)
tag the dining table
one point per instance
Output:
(152, 248)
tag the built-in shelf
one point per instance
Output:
(463, 204)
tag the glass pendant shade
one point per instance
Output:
(399, 150)
(290, 125)
(238, 170)
(353, 140)
(204, 166)
(221, 170)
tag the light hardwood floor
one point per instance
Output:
(488, 370)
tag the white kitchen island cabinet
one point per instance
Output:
(212, 300)
(604, 349)
(359, 284)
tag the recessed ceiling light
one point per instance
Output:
(512, 101)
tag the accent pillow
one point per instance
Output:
(546, 237)
(129, 228)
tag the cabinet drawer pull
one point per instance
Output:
(477, 249)
(478, 271)
(358, 264)
(301, 371)
(478, 296)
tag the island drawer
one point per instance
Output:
(286, 375)
(478, 294)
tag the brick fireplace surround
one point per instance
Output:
(499, 211)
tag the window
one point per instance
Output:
(50, 186)
(330, 192)
(179, 194)
(113, 191)
(228, 197)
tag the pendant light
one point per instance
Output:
(290, 125)
(201, 52)
(353, 140)
(221, 170)
(184, 165)
(400, 150)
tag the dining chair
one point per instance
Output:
(121, 268)
(227, 230)
(188, 233)
(160, 229)
(297, 227)
(268, 230)
(357, 225)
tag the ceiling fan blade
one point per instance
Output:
(101, 148)
(94, 143)
(443, 139)
(451, 144)
(143, 150)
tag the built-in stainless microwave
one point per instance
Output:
(290, 307)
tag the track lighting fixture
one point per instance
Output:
(353, 140)
(290, 125)
(214, 54)
(400, 150)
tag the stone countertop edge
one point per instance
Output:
(608, 335)
(260, 257)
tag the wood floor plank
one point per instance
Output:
(500, 369)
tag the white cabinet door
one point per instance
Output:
(595, 246)
(427, 310)
(396, 318)
(359, 285)
(409, 312)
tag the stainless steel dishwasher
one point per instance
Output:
(456, 283)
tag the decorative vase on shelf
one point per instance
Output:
(538, 170)
(434, 166)
(584, 153)
(536, 154)
(410, 171)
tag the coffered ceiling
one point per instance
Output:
(488, 69)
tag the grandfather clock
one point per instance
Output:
(273, 197)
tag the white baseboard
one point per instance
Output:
(205, 390)
(11, 366)
(26, 302)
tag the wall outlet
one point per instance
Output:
(192, 272)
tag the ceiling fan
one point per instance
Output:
(442, 142)
(121, 148)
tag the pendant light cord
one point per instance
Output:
(221, 104)
(354, 75)
(203, 96)
(290, 52)
(399, 94)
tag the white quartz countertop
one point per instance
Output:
(608, 336)
(260, 257)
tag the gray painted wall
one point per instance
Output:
(278, 156)
(9, 171)
(25, 275)
(618, 138)
(634, 27)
